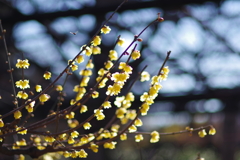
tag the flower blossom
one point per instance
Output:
(105, 29)
(22, 64)
(23, 84)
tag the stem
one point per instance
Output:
(167, 57)
(9, 63)
(174, 133)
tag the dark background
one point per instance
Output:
(203, 84)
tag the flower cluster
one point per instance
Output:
(62, 131)
(202, 133)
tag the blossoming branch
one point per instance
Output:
(38, 138)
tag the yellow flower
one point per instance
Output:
(105, 29)
(72, 123)
(155, 137)
(145, 76)
(74, 134)
(89, 65)
(88, 51)
(118, 101)
(29, 109)
(98, 111)
(126, 104)
(109, 145)
(115, 89)
(121, 42)
(62, 137)
(74, 67)
(132, 128)
(78, 97)
(85, 72)
(98, 114)
(115, 127)
(96, 41)
(155, 79)
(80, 59)
(138, 122)
(123, 137)
(21, 142)
(144, 96)
(14, 146)
(79, 89)
(113, 134)
(83, 109)
(84, 140)
(22, 64)
(76, 88)
(24, 131)
(106, 134)
(1, 123)
(44, 98)
(17, 114)
(163, 76)
(135, 55)
(100, 117)
(22, 94)
(74, 154)
(21, 157)
(47, 75)
(119, 77)
(59, 88)
(144, 111)
(41, 147)
(212, 131)
(120, 112)
(108, 65)
(96, 50)
(153, 92)
(84, 81)
(23, 84)
(113, 55)
(157, 86)
(87, 125)
(37, 140)
(94, 147)
(138, 137)
(66, 154)
(130, 97)
(95, 94)
(38, 88)
(145, 106)
(202, 133)
(71, 140)
(70, 115)
(166, 70)
(49, 139)
(102, 84)
(82, 154)
(131, 114)
(100, 137)
(149, 100)
(101, 71)
(106, 105)
(126, 68)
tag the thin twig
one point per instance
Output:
(10, 70)
(166, 59)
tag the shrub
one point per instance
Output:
(39, 139)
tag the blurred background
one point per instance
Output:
(203, 86)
